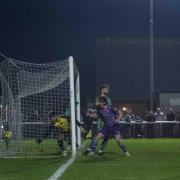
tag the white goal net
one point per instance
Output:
(40, 108)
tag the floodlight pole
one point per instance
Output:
(151, 54)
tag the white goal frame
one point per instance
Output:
(74, 103)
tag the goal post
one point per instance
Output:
(75, 105)
(40, 107)
(72, 104)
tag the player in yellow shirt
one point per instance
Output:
(60, 126)
(60, 122)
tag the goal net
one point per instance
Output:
(40, 108)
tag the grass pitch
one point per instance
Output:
(151, 159)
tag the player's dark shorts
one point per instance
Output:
(110, 131)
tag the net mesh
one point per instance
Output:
(35, 113)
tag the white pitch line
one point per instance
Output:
(62, 169)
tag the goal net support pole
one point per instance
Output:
(78, 114)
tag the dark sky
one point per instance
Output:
(47, 30)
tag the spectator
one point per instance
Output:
(120, 114)
(168, 128)
(149, 127)
(150, 117)
(159, 115)
(129, 117)
(165, 112)
(171, 115)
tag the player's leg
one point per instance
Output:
(59, 134)
(94, 143)
(45, 134)
(60, 142)
(90, 145)
(102, 133)
(103, 146)
(121, 143)
(94, 132)
(67, 138)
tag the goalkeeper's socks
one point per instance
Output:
(123, 148)
(61, 145)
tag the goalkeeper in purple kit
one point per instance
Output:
(110, 128)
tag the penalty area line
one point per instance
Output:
(62, 169)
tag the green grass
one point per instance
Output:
(29, 148)
(29, 169)
(151, 159)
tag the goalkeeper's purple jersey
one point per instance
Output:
(108, 115)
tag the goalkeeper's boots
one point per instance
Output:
(100, 153)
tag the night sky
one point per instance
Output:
(47, 30)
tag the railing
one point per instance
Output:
(150, 129)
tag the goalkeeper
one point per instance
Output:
(60, 126)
